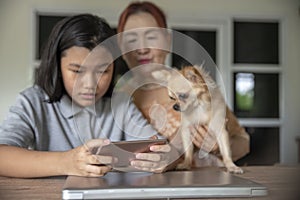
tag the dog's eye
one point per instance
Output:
(172, 98)
(183, 96)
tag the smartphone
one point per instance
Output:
(138, 146)
(125, 151)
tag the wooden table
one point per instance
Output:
(283, 182)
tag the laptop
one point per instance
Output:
(196, 183)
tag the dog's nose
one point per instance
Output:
(176, 107)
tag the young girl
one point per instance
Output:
(54, 124)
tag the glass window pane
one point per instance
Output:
(44, 28)
(264, 146)
(256, 42)
(207, 39)
(256, 95)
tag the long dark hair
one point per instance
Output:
(84, 30)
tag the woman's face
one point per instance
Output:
(144, 41)
(86, 74)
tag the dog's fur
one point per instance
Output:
(201, 103)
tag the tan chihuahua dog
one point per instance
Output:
(201, 103)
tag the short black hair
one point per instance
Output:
(83, 30)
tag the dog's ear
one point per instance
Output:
(161, 75)
(192, 75)
(207, 79)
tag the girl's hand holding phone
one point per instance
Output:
(81, 161)
(161, 158)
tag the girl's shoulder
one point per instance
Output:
(34, 90)
(33, 94)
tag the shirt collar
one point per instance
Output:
(70, 109)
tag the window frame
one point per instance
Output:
(260, 68)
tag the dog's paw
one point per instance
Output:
(182, 166)
(235, 169)
(232, 168)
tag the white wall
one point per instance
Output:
(16, 43)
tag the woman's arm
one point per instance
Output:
(238, 137)
(24, 163)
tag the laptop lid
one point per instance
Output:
(199, 183)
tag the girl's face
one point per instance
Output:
(144, 41)
(86, 74)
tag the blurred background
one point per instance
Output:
(255, 44)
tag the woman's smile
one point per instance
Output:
(144, 61)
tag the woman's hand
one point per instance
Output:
(200, 134)
(160, 159)
(81, 162)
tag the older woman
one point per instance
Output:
(145, 43)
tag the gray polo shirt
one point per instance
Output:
(60, 126)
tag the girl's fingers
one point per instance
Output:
(157, 161)
(98, 159)
(155, 157)
(148, 166)
(161, 148)
(144, 164)
(154, 137)
(94, 170)
(93, 146)
(96, 143)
